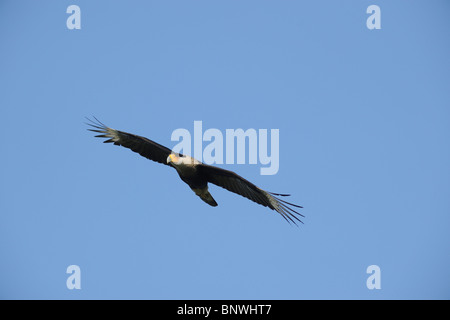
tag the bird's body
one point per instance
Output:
(188, 170)
(196, 174)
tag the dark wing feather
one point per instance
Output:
(235, 183)
(145, 147)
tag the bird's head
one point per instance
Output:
(174, 159)
(180, 160)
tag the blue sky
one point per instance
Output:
(364, 126)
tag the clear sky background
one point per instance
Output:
(364, 120)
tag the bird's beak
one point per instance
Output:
(172, 158)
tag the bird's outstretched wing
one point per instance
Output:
(145, 147)
(235, 183)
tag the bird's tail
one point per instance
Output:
(205, 196)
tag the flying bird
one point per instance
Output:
(196, 174)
